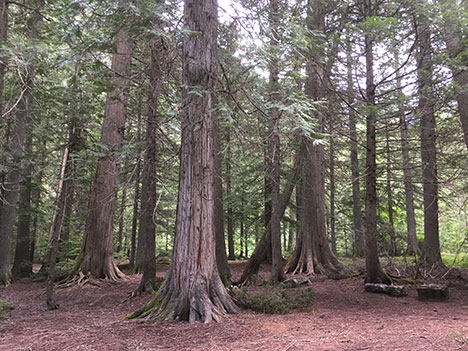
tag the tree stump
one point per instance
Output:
(432, 292)
(392, 290)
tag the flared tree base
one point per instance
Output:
(204, 302)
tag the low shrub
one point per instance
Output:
(270, 300)
(5, 308)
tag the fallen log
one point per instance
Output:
(392, 290)
(432, 292)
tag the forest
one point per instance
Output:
(293, 174)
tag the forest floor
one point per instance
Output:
(344, 317)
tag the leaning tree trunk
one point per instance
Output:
(431, 249)
(359, 247)
(202, 296)
(55, 231)
(374, 273)
(264, 243)
(96, 257)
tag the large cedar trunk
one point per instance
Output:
(312, 253)
(431, 249)
(193, 289)
(96, 256)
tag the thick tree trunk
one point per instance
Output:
(431, 249)
(392, 251)
(312, 253)
(96, 257)
(202, 296)
(359, 246)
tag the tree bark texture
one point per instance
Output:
(374, 272)
(193, 289)
(96, 257)
(431, 248)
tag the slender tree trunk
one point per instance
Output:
(230, 226)
(3, 38)
(332, 192)
(203, 296)
(55, 230)
(136, 199)
(393, 251)
(123, 204)
(97, 252)
(147, 227)
(412, 239)
(374, 274)
(277, 273)
(221, 257)
(431, 249)
(22, 265)
(359, 246)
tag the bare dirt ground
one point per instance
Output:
(344, 317)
